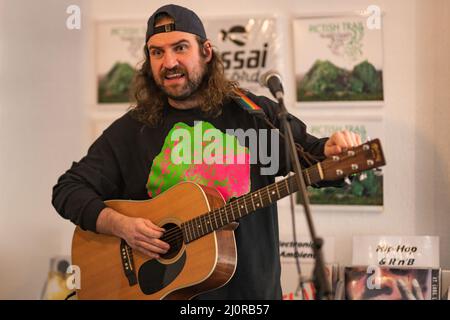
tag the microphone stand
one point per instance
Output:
(320, 280)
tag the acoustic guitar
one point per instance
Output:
(199, 229)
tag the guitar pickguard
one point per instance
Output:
(153, 275)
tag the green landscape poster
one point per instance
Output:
(363, 189)
(120, 46)
(337, 59)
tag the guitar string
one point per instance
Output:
(220, 212)
(176, 233)
(248, 199)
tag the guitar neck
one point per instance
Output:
(357, 159)
(240, 207)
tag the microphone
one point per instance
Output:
(272, 80)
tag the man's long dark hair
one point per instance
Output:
(212, 93)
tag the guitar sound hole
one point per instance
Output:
(174, 237)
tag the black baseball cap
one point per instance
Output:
(185, 20)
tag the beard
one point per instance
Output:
(186, 91)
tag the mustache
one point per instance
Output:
(174, 70)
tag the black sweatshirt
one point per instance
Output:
(130, 161)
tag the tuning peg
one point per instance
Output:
(347, 181)
(367, 139)
(363, 176)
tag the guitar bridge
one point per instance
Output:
(126, 254)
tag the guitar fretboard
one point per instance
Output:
(240, 207)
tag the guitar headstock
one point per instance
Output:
(367, 156)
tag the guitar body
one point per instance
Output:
(196, 267)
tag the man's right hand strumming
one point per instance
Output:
(140, 234)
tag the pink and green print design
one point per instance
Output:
(210, 157)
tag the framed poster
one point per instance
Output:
(249, 46)
(337, 59)
(365, 190)
(119, 52)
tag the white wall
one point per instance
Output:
(432, 125)
(398, 216)
(47, 86)
(41, 132)
(441, 114)
(416, 124)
